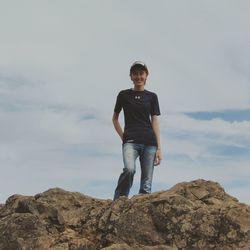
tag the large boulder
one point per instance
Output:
(190, 215)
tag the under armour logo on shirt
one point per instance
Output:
(137, 97)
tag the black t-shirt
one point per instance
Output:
(137, 107)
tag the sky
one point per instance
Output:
(63, 63)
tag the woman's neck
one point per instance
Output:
(138, 88)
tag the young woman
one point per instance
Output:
(141, 136)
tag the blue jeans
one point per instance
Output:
(130, 153)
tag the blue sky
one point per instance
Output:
(227, 115)
(63, 63)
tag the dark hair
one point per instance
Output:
(138, 66)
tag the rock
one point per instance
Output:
(190, 215)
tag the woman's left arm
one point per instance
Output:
(155, 126)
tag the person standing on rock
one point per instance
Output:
(141, 136)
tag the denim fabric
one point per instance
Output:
(130, 153)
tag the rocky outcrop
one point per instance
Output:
(191, 215)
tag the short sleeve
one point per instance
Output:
(155, 108)
(118, 104)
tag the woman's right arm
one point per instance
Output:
(117, 125)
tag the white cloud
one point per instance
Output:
(61, 62)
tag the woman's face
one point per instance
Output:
(139, 77)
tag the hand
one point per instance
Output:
(158, 157)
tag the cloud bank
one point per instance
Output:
(62, 65)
